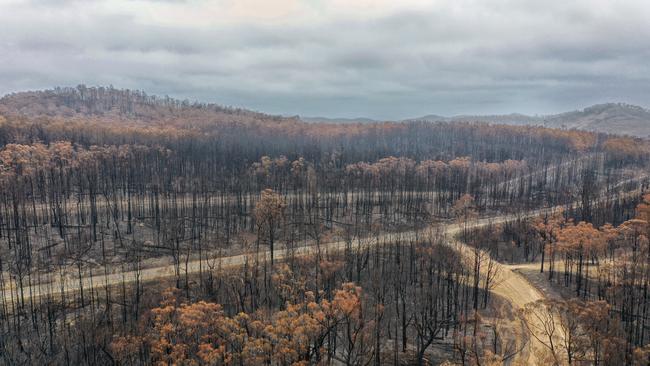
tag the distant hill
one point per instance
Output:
(337, 120)
(510, 119)
(107, 104)
(614, 118)
(110, 105)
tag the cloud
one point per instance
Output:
(381, 59)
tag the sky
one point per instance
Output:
(382, 59)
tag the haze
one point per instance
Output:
(378, 59)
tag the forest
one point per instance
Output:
(142, 230)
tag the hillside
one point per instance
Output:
(509, 119)
(614, 118)
(133, 107)
(107, 104)
(337, 120)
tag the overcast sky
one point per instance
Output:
(384, 59)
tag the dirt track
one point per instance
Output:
(515, 289)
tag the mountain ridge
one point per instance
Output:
(108, 103)
(613, 118)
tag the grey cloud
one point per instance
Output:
(492, 57)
